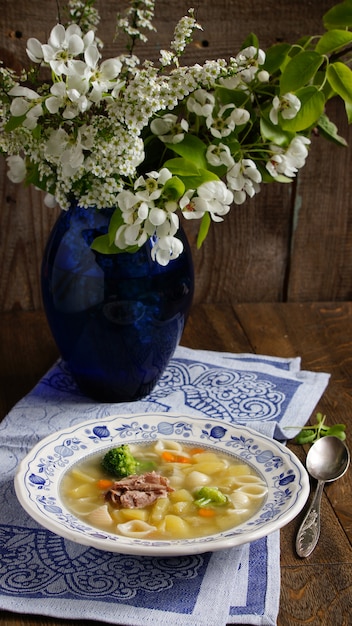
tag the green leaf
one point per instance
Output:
(14, 122)
(333, 40)
(251, 40)
(312, 107)
(339, 16)
(348, 107)
(182, 167)
(191, 148)
(103, 245)
(329, 130)
(115, 222)
(309, 434)
(231, 96)
(338, 430)
(274, 133)
(276, 57)
(174, 188)
(191, 176)
(305, 436)
(203, 229)
(340, 78)
(300, 71)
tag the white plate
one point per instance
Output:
(38, 478)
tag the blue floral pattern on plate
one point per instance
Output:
(39, 474)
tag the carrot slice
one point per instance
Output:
(104, 483)
(196, 450)
(168, 456)
(203, 512)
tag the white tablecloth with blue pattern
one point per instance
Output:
(46, 574)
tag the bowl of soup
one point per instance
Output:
(195, 485)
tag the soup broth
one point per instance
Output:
(178, 515)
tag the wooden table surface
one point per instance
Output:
(316, 590)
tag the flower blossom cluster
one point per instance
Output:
(152, 144)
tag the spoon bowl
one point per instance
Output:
(327, 460)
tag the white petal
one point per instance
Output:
(157, 216)
(57, 36)
(23, 91)
(34, 50)
(110, 68)
(92, 56)
(19, 107)
(17, 168)
(75, 45)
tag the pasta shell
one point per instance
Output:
(100, 516)
(135, 528)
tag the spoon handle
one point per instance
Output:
(308, 534)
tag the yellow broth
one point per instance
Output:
(176, 516)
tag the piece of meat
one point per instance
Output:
(138, 490)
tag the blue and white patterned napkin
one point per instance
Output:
(46, 574)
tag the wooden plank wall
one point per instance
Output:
(290, 243)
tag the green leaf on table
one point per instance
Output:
(305, 436)
(311, 433)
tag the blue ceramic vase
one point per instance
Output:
(116, 319)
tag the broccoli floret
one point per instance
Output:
(210, 496)
(120, 462)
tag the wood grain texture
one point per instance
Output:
(289, 243)
(316, 591)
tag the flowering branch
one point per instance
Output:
(158, 141)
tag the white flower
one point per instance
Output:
(166, 57)
(168, 129)
(27, 102)
(65, 152)
(297, 150)
(212, 197)
(17, 168)
(50, 201)
(225, 123)
(288, 105)
(63, 45)
(251, 56)
(183, 32)
(263, 76)
(244, 179)
(219, 154)
(166, 249)
(288, 162)
(201, 102)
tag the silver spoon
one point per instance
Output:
(327, 460)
